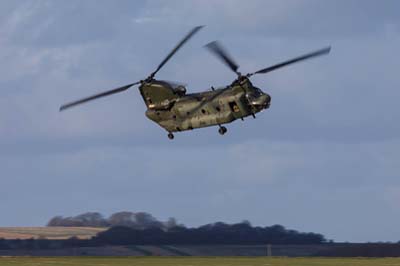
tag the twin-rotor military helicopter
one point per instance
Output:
(172, 108)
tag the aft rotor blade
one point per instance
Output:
(292, 61)
(96, 96)
(182, 42)
(216, 48)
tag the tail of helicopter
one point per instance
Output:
(160, 95)
(156, 94)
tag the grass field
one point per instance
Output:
(48, 232)
(194, 261)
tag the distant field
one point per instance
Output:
(48, 232)
(194, 261)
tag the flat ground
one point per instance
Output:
(194, 261)
(48, 232)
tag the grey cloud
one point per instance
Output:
(304, 19)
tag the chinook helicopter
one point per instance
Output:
(173, 109)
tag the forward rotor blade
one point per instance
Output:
(182, 42)
(96, 96)
(220, 52)
(292, 61)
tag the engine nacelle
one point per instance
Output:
(180, 90)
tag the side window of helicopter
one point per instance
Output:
(234, 107)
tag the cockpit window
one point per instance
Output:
(257, 92)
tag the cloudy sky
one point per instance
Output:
(323, 158)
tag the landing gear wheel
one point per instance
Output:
(170, 135)
(222, 130)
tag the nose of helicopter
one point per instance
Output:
(263, 101)
(267, 100)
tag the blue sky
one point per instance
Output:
(323, 158)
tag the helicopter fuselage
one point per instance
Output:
(178, 111)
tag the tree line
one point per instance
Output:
(136, 220)
(211, 234)
(140, 228)
(143, 228)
